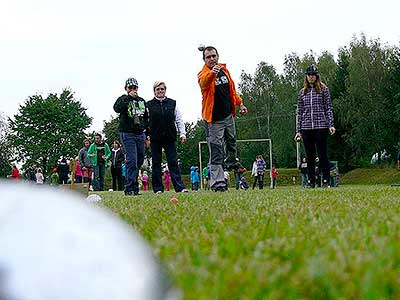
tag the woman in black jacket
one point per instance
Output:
(165, 121)
(117, 158)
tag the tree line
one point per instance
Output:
(364, 82)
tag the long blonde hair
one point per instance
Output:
(319, 85)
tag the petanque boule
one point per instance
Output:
(93, 198)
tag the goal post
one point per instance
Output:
(237, 141)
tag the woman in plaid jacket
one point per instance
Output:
(315, 122)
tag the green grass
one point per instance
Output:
(371, 176)
(288, 243)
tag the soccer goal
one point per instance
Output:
(245, 159)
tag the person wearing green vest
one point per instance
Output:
(206, 177)
(100, 153)
(54, 178)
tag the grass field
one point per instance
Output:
(288, 243)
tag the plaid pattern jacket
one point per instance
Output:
(314, 111)
(261, 166)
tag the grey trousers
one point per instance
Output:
(221, 139)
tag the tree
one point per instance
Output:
(367, 108)
(110, 130)
(394, 88)
(293, 72)
(271, 113)
(44, 129)
(327, 67)
(5, 149)
(340, 149)
(188, 153)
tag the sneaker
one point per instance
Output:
(220, 189)
(159, 192)
(325, 184)
(128, 193)
(136, 193)
(310, 185)
(185, 191)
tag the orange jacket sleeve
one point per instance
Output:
(206, 77)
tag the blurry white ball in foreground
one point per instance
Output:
(54, 246)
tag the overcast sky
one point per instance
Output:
(93, 46)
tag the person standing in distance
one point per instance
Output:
(100, 153)
(315, 122)
(117, 158)
(86, 162)
(218, 111)
(133, 118)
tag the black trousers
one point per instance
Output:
(260, 179)
(316, 138)
(172, 160)
(63, 178)
(116, 173)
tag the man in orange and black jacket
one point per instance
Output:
(218, 111)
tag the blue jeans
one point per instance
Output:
(304, 180)
(134, 152)
(98, 177)
(172, 160)
(238, 176)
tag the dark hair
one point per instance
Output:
(98, 134)
(208, 48)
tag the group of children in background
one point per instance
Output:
(146, 180)
(258, 170)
